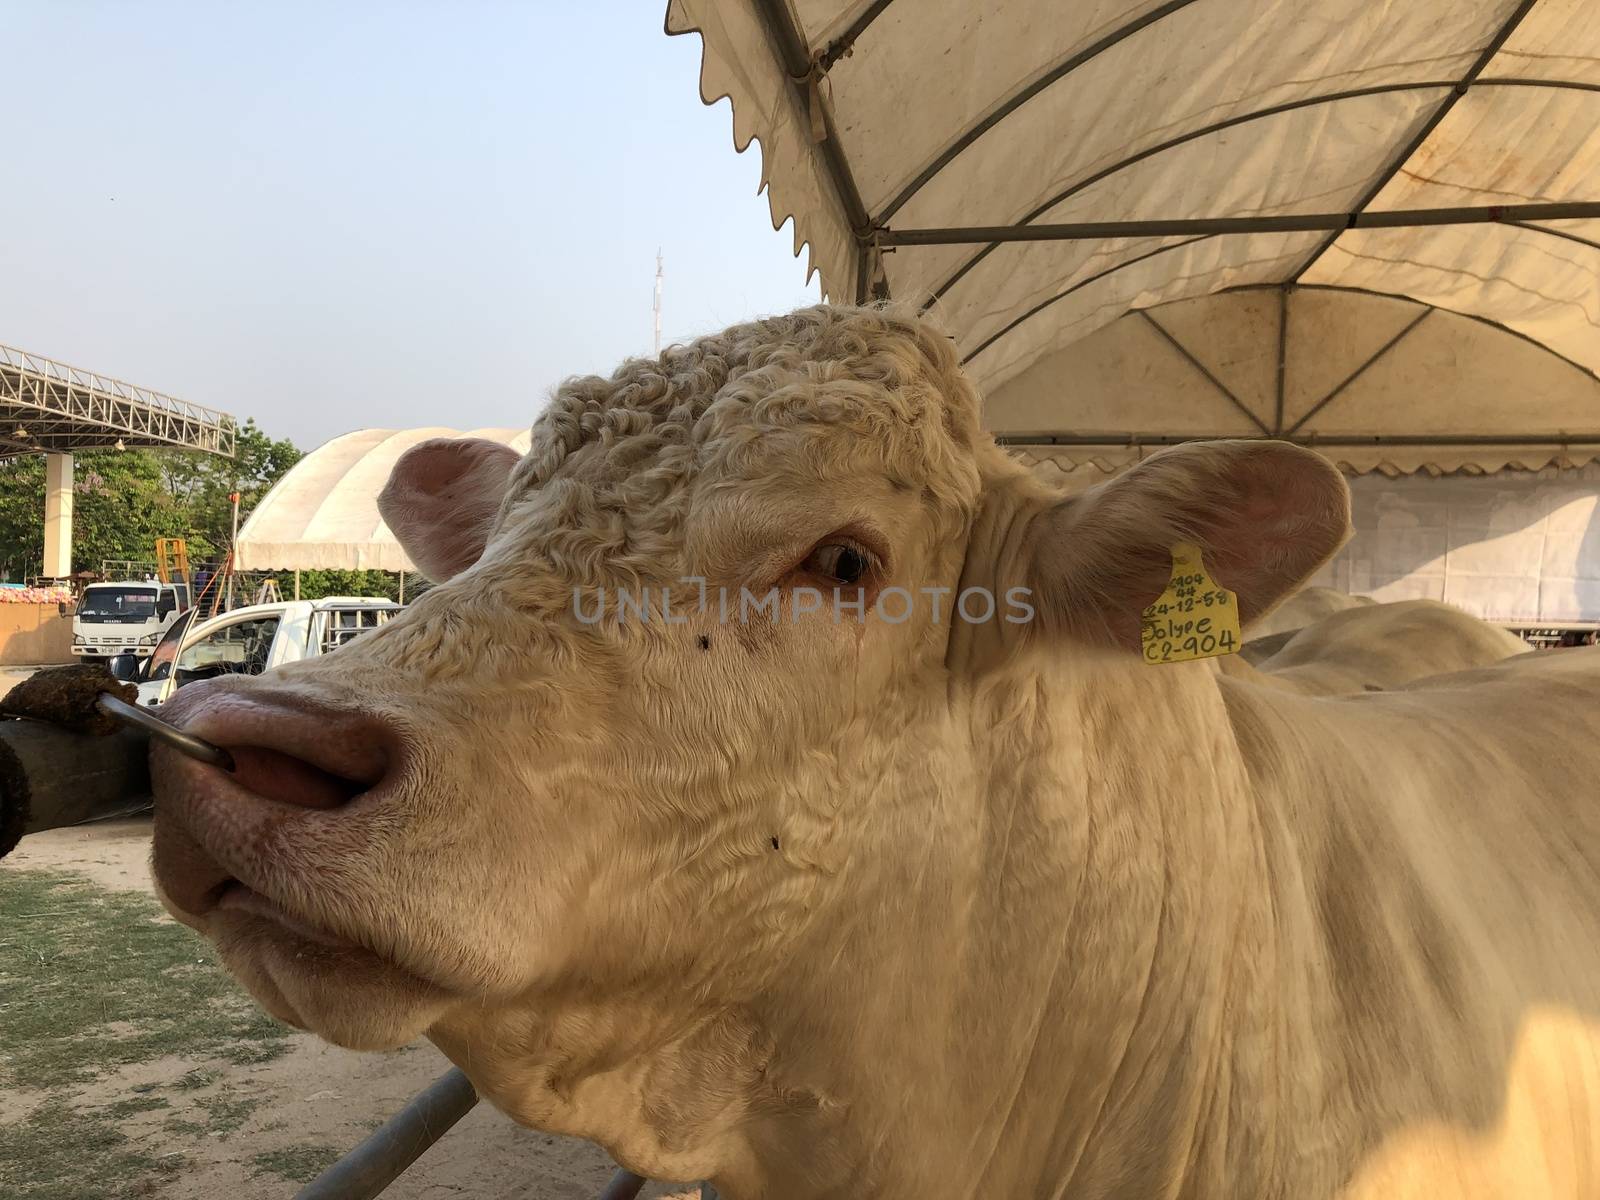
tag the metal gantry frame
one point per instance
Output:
(50, 407)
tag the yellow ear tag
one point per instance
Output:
(1194, 618)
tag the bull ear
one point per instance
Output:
(441, 500)
(1265, 515)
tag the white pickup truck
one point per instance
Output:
(249, 641)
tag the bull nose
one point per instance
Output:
(289, 749)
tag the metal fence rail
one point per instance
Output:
(367, 1170)
(397, 1143)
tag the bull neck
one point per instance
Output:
(1043, 1014)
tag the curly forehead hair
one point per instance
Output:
(814, 397)
(881, 373)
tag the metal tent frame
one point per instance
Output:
(1291, 431)
(874, 234)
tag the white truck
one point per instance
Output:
(128, 617)
(249, 641)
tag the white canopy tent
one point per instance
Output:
(323, 514)
(1371, 226)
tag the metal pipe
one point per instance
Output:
(1465, 316)
(1122, 440)
(1076, 287)
(1204, 370)
(1403, 218)
(624, 1185)
(171, 735)
(795, 58)
(1407, 152)
(1019, 98)
(1339, 388)
(1171, 143)
(377, 1162)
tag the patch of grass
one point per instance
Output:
(137, 1104)
(198, 1078)
(226, 1113)
(297, 1164)
(92, 980)
(74, 958)
(56, 1153)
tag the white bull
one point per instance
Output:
(1378, 646)
(889, 903)
(1306, 607)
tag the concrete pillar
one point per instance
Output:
(58, 515)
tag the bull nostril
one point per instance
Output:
(279, 776)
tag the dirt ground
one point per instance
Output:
(194, 1126)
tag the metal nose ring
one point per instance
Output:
(184, 743)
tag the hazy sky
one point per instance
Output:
(330, 216)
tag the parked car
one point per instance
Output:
(249, 641)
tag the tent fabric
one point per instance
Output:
(1518, 549)
(1330, 366)
(949, 114)
(1514, 546)
(323, 514)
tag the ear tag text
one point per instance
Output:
(1194, 618)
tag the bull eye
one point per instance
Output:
(839, 562)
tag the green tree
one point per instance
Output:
(21, 517)
(120, 505)
(124, 499)
(314, 585)
(203, 482)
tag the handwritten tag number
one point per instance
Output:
(1194, 618)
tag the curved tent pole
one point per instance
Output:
(1172, 143)
(1560, 233)
(1234, 122)
(1017, 99)
(1513, 215)
(1398, 162)
(1401, 296)
(1082, 283)
(1293, 434)
(841, 46)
